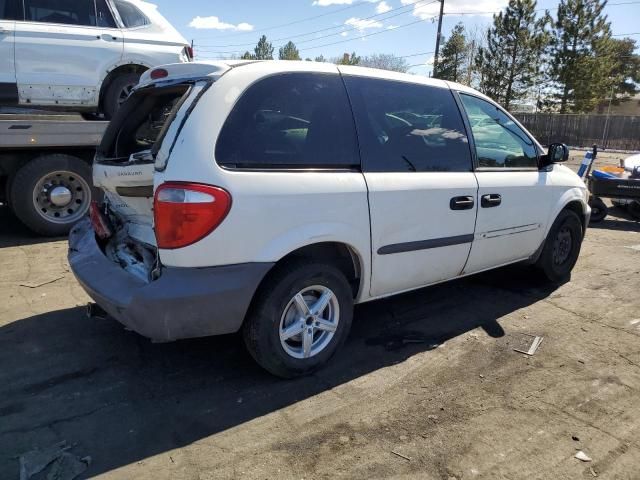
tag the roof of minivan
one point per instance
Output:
(217, 67)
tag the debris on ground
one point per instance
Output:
(401, 455)
(41, 283)
(575, 438)
(62, 465)
(396, 341)
(537, 340)
(593, 472)
(583, 457)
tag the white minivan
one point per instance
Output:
(84, 55)
(270, 197)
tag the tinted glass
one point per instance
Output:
(130, 15)
(293, 120)
(105, 18)
(408, 127)
(499, 141)
(69, 12)
(10, 10)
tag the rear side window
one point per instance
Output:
(408, 127)
(292, 120)
(68, 12)
(10, 10)
(130, 15)
(104, 16)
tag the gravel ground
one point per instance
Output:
(462, 404)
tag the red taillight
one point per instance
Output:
(190, 53)
(187, 212)
(99, 223)
(159, 73)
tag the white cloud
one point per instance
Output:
(383, 7)
(391, 27)
(363, 24)
(451, 7)
(343, 34)
(327, 3)
(214, 23)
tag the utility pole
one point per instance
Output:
(435, 60)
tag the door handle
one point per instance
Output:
(461, 203)
(107, 37)
(490, 200)
(3, 30)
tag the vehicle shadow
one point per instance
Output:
(121, 399)
(618, 219)
(14, 234)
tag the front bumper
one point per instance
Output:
(181, 303)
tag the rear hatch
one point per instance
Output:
(138, 142)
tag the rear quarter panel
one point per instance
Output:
(273, 212)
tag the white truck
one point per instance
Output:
(45, 168)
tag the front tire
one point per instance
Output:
(301, 315)
(562, 247)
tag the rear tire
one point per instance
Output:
(117, 92)
(561, 248)
(599, 209)
(275, 329)
(32, 188)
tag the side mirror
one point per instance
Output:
(558, 152)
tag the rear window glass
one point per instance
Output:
(68, 12)
(130, 15)
(292, 120)
(9, 10)
(140, 122)
(408, 127)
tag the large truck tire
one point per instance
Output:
(51, 193)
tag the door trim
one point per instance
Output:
(9, 93)
(425, 244)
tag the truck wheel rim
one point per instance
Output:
(61, 197)
(309, 322)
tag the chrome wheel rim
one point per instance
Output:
(562, 246)
(124, 93)
(61, 197)
(309, 322)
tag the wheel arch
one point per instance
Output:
(572, 199)
(134, 67)
(342, 255)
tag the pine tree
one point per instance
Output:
(320, 58)
(248, 56)
(289, 52)
(510, 64)
(452, 61)
(347, 59)
(581, 54)
(264, 49)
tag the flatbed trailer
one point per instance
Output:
(45, 168)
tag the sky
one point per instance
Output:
(407, 28)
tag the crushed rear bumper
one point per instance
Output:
(181, 303)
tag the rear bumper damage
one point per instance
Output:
(181, 303)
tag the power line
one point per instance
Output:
(404, 8)
(302, 20)
(538, 10)
(625, 34)
(334, 43)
